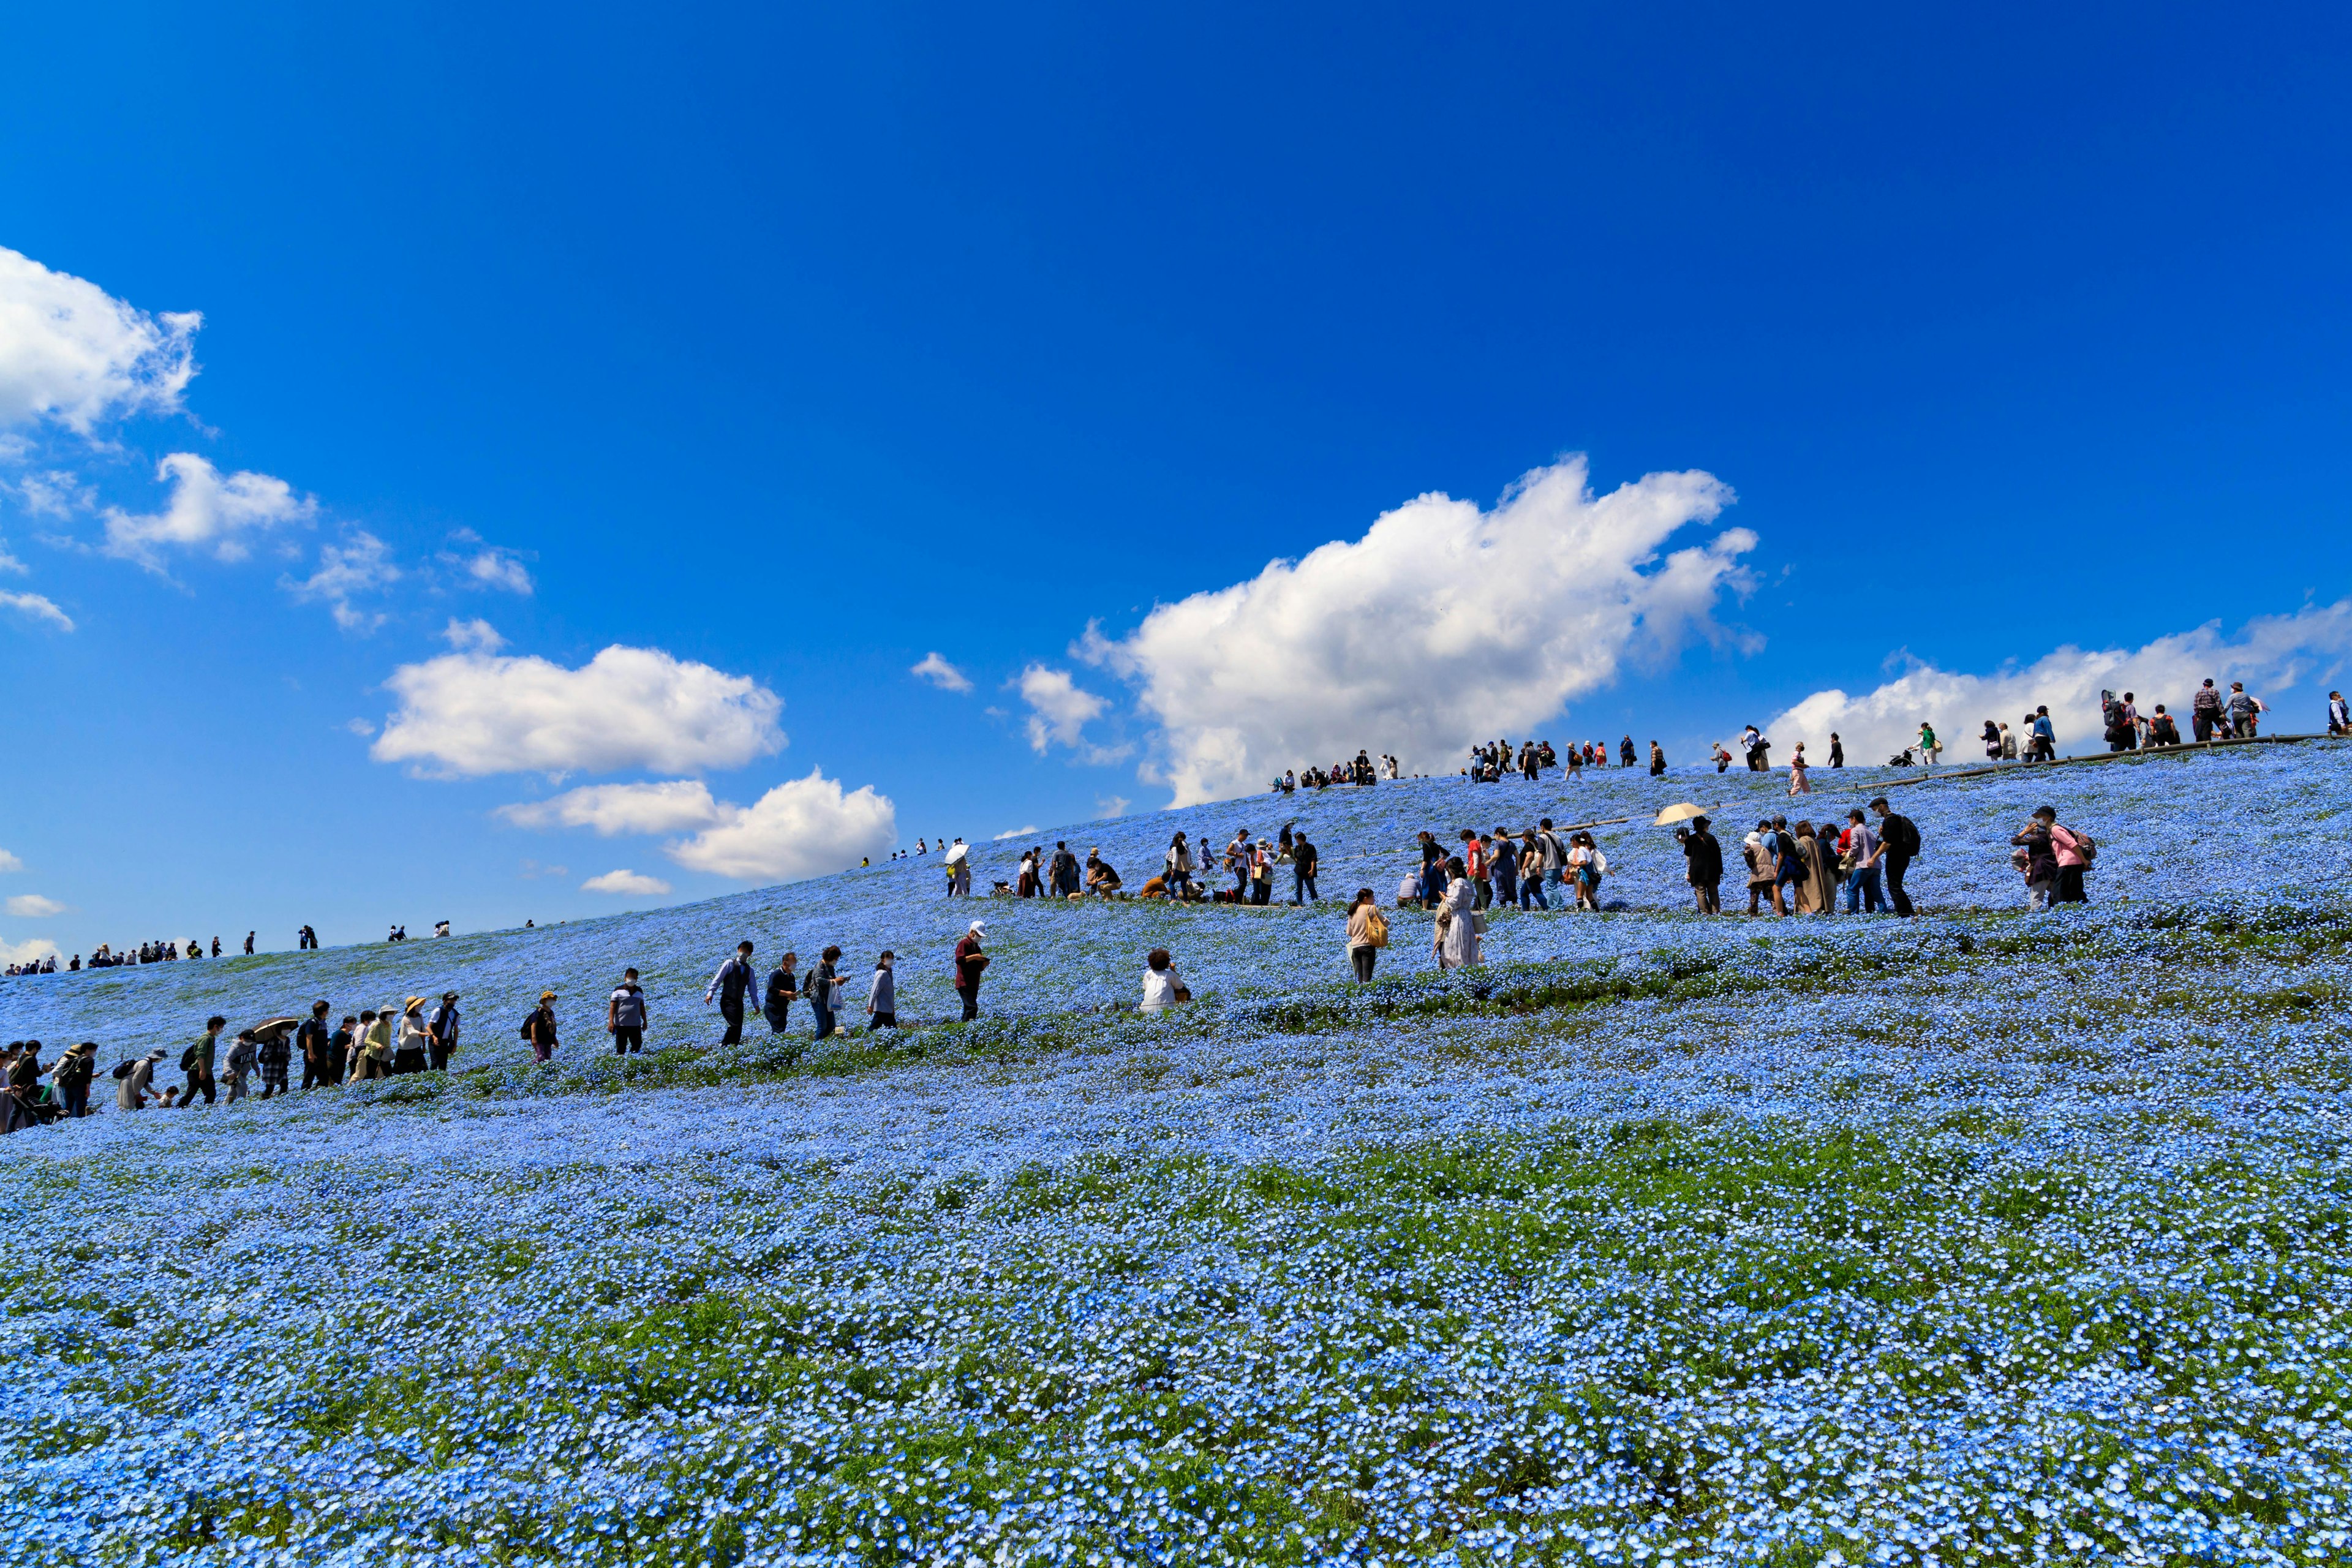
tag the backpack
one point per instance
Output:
(527, 1019)
(188, 1060)
(2089, 851)
(123, 1069)
(1377, 929)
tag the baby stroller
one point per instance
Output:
(1902, 759)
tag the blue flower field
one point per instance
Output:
(1982, 1238)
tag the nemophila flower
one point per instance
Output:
(1980, 1238)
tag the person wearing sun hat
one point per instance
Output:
(413, 1038)
(968, 962)
(540, 1027)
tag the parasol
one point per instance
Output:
(1674, 814)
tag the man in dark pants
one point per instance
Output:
(734, 978)
(968, 962)
(1302, 872)
(200, 1059)
(2205, 711)
(624, 1015)
(441, 1031)
(310, 1039)
(1900, 837)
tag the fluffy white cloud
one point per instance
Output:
(1060, 710)
(498, 569)
(477, 633)
(205, 508)
(9, 862)
(1016, 832)
(2273, 655)
(624, 881)
(8, 561)
(940, 673)
(72, 355)
(475, 712)
(804, 828)
(25, 951)
(1443, 624)
(1111, 805)
(360, 564)
(32, 906)
(672, 806)
(35, 606)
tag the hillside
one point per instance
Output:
(1980, 1238)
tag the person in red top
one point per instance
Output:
(1476, 863)
(968, 962)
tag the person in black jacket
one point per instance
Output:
(734, 978)
(311, 1041)
(1900, 837)
(1303, 857)
(1705, 857)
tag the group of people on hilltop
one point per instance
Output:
(1362, 769)
(1799, 869)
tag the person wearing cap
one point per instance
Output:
(735, 977)
(538, 1028)
(443, 1031)
(138, 1083)
(625, 1015)
(411, 1053)
(882, 994)
(969, 964)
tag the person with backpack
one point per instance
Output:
(734, 978)
(2205, 711)
(882, 994)
(970, 964)
(135, 1080)
(197, 1061)
(538, 1028)
(2073, 850)
(441, 1031)
(776, 1003)
(625, 1015)
(1898, 837)
(1304, 857)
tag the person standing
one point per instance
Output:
(2339, 714)
(1702, 865)
(442, 1031)
(1456, 936)
(538, 1028)
(1625, 757)
(1368, 932)
(2037, 859)
(343, 1050)
(1797, 785)
(376, 1045)
(1929, 747)
(1788, 867)
(310, 1039)
(276, 1055)
(1991, 737)
(1862, 855)
(1065, 871)
(1474, 861)
(1261, 871)
(970, 963)
(1303, 858)
(2204, 712)
(776, 1005)
(882, 994)
(243, 1054)
(734, 978)
(2008, 744)
(2046, 735)
(2244, 711)
(1898, 840)
(248, 953)
(625, 1015)
(416, 1040)
(1180, 868)
(1503, 865)
(197, 1062)
(1657, 760)
(1837, 750)
(2073, 852)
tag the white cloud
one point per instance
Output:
(532, 871)
(473, 712)
(205, 509)
(1111, 805)
(37, 607)
(52, 493)
(498, 569)
(624, 881)
(803, 827)
(673, 805)
(360, 564)
(25, 951)
(359, 727)
(73, 355)
(1060, 710)
(1016, 832)
(475, 634)
(2273, 655)
(8, 561)
(32, 907)
(1443, 624)
(9, 862)
(941, 674)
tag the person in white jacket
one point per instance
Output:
(1163, 986)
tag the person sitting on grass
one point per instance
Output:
(1163, 986)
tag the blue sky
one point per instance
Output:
(792, 346)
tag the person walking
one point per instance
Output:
(2073, 852)
(970, 964)
(2036, 858)
(2244, 711)
(1898, 839)
(1762, 875)
(1503, 865)
(1162, 987)
(1722, 758)
(197, 1062)
(2008, 752)
(1837, 750)
(538, 1028)
(776, 1003)
(1861, 855)
(1588, 866)
(2205, 711)
(1808, 884)
(1657, 761)
(1304, 857)
(1702, 865)
(1261, 873)
(625, 1015)
(822, 988)
(1929, 747)
(734, 978)
(2046, 735)
(1991, 739)
(1797, 785)
(1368, 932)
(248, 953)
(1473, 859)
(443, 1028)
(134, 1087)
(311, 1040)
(1456, 937)
(275, 1056)
(416, 1039)
(243, 1054)
(1179, 861)
(882, 994)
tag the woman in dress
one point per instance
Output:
(1797, 785)
(1457, 925)
(408, 1056)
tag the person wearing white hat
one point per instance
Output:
(969, 964)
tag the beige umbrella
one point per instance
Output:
(1674, 814)
(273, 1026)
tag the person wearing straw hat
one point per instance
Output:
(416, 1039)
(538, 1028)
(970, 961)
